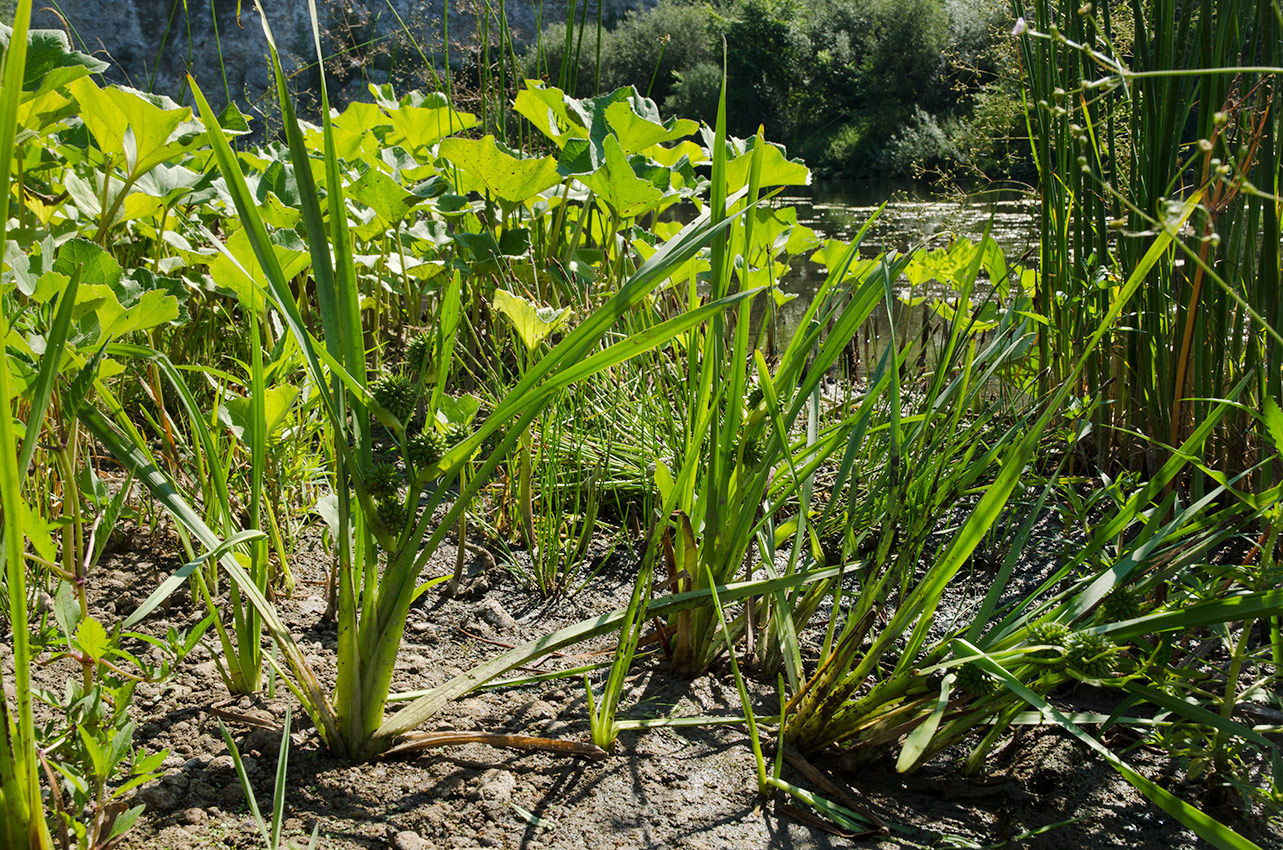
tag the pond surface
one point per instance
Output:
(911, 217)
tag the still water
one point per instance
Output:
(911, 218)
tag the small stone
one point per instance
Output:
(231, 795)
(407, 840)
(265, 742)
(491, 612)
(414, 663)
(193, 816)
(159, 797)
(540, 710)
(312, 605)
(495, 787)
(205, 670)
(222, 764)
(176, 780)
(201, 790)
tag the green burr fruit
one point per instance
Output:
(418, 353)
(383, 479)
(426, 448)
(752, 452)
(397, 395)
(457, 433)
(391, 514)
(1121, 604)
(1049, 634)
(1090, 654)
(976, 681)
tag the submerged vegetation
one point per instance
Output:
(552, 327)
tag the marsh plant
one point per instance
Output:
(554, 323)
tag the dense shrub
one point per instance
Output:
(857, 87)
(653, 43)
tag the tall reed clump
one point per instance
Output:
(1132, 109)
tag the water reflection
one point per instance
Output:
(912, 218)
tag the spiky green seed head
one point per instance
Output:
(752, 452)
(1051, 635)
(383, 479)
(755, 396)
(391, 514)
(976, 681)
(1121, 604)
(397, 395)
(418, 353)
(426, 447)
(1090, 654)
(457, 433)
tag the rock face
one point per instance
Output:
(153, 44)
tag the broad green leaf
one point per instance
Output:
(95, 265)
(241, 273)
(532, 323)
(278, 402)
(421, 127)
(160, 128)
(458, 410)
(102, 309)
(499, 173)
(670, 156)
(552, 113)
(616, 184)
(636, 133)
(833, 253)
(384, 195)
(1272, 416)
(39, 532)
(776, 169)
(51, 61)
(171, 182)
(42, 110)
(354, 139)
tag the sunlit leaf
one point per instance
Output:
(498, 173)
(636, 133)
(533, 323)
(616, 184)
